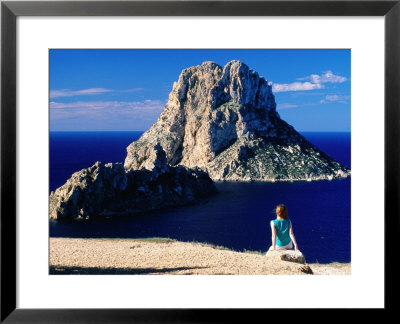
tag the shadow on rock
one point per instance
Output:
(65, 270)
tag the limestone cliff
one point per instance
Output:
(224, 121)
(105, 190)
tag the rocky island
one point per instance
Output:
(221, 124)
(105, 190)
(224, 121)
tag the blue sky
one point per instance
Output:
(126, 90)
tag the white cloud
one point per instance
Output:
(72, 93)
(104, 115)
(335, 98)
(331, 98)
(116, 110)
(327, 77)
(295, 86)
(107, 104)
(85, 92)
(286, 106)
(314, 82)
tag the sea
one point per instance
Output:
(237, 217)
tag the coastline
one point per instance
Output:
(155, 256)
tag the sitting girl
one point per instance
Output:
(282, 231)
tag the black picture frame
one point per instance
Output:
(10, 10)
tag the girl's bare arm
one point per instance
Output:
(291, 234)
(273, 231)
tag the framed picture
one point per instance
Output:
(42, 42)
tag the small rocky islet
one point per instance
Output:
(219, 124)
(106, 190)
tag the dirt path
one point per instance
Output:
(107, 256)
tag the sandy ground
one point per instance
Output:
(331, 269)
(125, 256)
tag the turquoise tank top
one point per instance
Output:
(282, 231)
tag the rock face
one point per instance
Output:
(107, 189)
(224, 121)
(286, 255)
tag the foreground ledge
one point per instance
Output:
(165, 256)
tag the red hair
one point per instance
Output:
(281, 211)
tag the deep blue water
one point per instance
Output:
(238, 217)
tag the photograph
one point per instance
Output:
(199, 161)
(188, 161)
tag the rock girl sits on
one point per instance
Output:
(282, 231)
